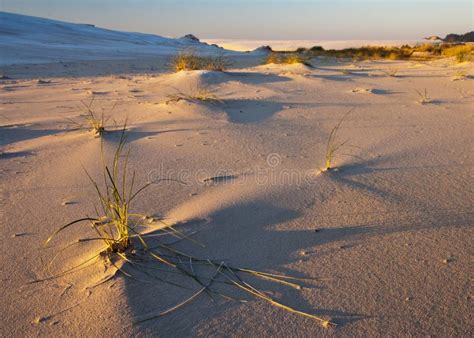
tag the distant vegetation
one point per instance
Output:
(462, 52)
(192, 61)
(288, 58)
(95, 122)
(468, 37)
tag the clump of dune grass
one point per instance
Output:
(405, 52)
(113, 223)
(198, 93)
(218, 64)
(461, 53)
(333, 145)
(95, 122)
(459, 76)
(391, 71)
(288, 58)
(272, 58)
(184, 61)
(135, 253)
(423, 97)
(192, 61)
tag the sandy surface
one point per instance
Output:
(393, 252)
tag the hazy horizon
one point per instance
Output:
(262, 19)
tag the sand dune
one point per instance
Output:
(385, 239)
(26, 39)
(391, 251)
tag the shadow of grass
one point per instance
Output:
(9, 155)
(18, 133)
(241, 235)
(252, 78)
(250, 111)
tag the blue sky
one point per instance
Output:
(263, 19)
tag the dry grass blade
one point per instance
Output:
(423, 97)
(98, 124)
(333, 145)
(186, 301)
(460, 76)
(255, 292)
(391, 71)
(113, 225)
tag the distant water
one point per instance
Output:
(245, 45)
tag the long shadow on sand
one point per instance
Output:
(13, 134)
(250, 111)
(135, 135)
(16, 154)
(252, 78)
(242, 235)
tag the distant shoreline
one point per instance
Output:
(249, 45)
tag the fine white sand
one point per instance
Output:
(393, 252)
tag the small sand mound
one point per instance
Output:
(191, 78)
(294, 68)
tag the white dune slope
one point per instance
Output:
(26, 39)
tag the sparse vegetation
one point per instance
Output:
(113, 227)
(391, 71)
(96, 123)
(199, 93)
(459, 76)
(462, 53)
(288, 58)
(423, 97)
(333, 145)
(192, 61)
(132, 252)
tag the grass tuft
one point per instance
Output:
(423, 97)
(461, 53)
(333, 145)
(391, 71)
(96, 123)
(192, 61)
(113, 222)
(460, 76)
(288, 58)
(199, 93)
